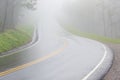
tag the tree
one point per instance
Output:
(5, 15)
(13, 9)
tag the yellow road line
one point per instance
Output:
(35, 61)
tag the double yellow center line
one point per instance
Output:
(35, 61)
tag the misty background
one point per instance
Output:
(101, 17)
(15, 13)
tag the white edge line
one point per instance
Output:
(99, 64)
(31, 45)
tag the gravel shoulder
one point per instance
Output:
(114, 73)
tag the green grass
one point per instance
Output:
(14, 38)
(27, 29)
(93, 36)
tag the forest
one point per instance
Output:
(12, 12)
(99, 17)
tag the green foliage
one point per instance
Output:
(13, 38)
(93, 36)
(30, 4)
(27, 29)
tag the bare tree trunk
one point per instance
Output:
(104, 23)
(5, 16)
(12, 11)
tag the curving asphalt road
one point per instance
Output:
(58, 55)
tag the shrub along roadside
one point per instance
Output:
(92, 36)
(14, 38)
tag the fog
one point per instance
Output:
(101, 17)
(15, 13)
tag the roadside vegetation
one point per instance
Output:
(14, 38)
(92, 36)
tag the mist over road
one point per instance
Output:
(58, 55)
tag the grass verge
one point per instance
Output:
(14, 38)
(93, 36)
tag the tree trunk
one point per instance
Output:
(5, 16)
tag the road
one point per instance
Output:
(58, 55)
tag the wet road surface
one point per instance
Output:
(57, 55)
